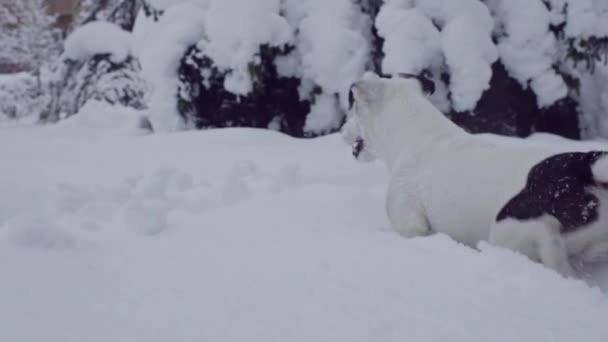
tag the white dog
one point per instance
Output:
(547, 206)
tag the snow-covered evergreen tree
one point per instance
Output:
(505, 66)
(97, 64)
(27, 34)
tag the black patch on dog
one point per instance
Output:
(558, 186)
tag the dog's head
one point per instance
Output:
(370, 100)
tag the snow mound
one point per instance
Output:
(99, 118)
(37, 232)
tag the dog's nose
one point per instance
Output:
(358, 147)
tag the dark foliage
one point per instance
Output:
(274, 101)
(99, 78)
(508, 109)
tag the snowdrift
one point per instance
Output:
(245, 235)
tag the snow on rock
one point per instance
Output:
(98, 37)
(529, 49)
(179, 28)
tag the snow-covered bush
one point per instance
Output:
(505, 66)
(283, 65)
(509, 66)
(332, 50)
(97, 64)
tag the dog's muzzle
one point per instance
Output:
(358, 146)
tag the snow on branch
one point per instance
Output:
(98, 38)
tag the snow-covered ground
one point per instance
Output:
(244, 235)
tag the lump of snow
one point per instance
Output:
(587, 18)
(549, 88)
(179, 28)
(98, 37)
(411, 41)
(324, 115)
(38, 232)
(470, 61)
(443, 11)
(332, 43)
(529, 49)
(234, 47)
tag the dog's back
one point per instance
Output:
(561, 186)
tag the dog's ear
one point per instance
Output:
(427, 85)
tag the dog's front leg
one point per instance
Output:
(405, 212)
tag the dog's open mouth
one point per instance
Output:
(358, 146)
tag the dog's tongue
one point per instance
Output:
(358, 147)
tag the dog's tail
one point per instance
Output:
(599, 169)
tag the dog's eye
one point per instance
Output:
(351, 98)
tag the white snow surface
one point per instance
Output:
(247, 235)
(98, 37)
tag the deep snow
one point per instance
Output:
(244, 235)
